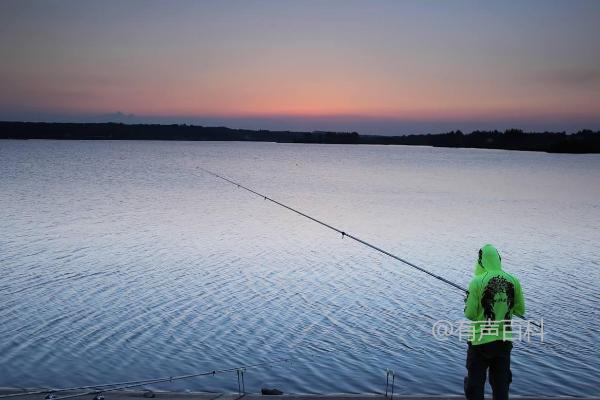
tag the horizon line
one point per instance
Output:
(365, 124)
(468, 132)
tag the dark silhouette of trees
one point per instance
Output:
(584, 141)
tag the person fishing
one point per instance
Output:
(492, 298)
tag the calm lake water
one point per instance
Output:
(123, 260)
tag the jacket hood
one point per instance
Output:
(478, 269)
(489, 260)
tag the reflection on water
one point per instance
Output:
(122, 260)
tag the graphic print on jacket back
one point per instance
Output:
(498, 299)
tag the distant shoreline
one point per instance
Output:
(585, 141)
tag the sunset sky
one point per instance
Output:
(371, 66)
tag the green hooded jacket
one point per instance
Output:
(493, 297)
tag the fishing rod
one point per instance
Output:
(46, 391)
(110, 387)
(348, 235)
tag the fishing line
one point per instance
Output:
(348, 235)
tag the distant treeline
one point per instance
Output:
(585, 141)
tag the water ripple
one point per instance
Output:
(132, 264)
